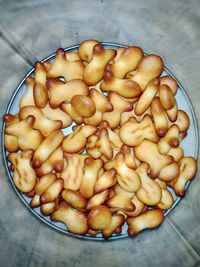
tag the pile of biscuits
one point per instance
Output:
(123, 154)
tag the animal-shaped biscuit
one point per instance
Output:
(83, 105)
(117, 221)
(139, 207)
(167, 200)
(168, 102)
(149, 67)
(150, 192)
(71, 112)
(57, 114)
(105, 181)
(119, 106)
(176, 152)
(85, 49)
(97, 199)
(79, 108)
(124, 87)
(94, 71)
(28, 99)
(54, 162)
(76, 141)
(188, 167)
(75, 220)
(11, 143)
(148, 152)
(171, 82)
(72, 56)
(24, 175)
(125, 116)
(63, 92)
(99, 218)
(102, 105)
(126, 62)
(147, 96)
(91, 171)
(39, 89)
(42, 123)
(74, 198)
(150, 219)
(121, 200)
(130, 159)
(114, 139)
(159, 117)
(27, 137)
(133, 133)
(73, 173)
(44, 182)
(48, 145)
(170, 140)
(127, 178)
(99, 145)
(48, 208)
(53, 191)
(169, 172)
(182, 121)
(62, 67)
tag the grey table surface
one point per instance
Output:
(31, 30)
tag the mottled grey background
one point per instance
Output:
(31, 30)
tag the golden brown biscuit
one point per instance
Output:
(150, 219)
(39, 89)
(170, 82)
(24, 175)
(62, 67)
(102, 105)
(28, 99)
(85, 49)
(188, 167)
(75, 220)
(90, 176)
(119, 106)
(73, 171)
(99, 218)
(168, 102)
(76, 141)
(27, 137)
(105, 181)
(60, 92)
(74, 198)
(54, 162)
(126, 61)
(94, 71)
(132, 133)
(117, 221)
(97, 199)
(49, 144)
(159, 117)
(127, 178)
(147, 96)
(124, 87)
(150, 192)
(41, 123)
(149, 67)
(148, 152)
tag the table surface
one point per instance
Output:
(31, 30)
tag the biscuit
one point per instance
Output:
(126, 61)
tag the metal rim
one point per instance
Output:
(21, 196)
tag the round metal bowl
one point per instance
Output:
(190, 145)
